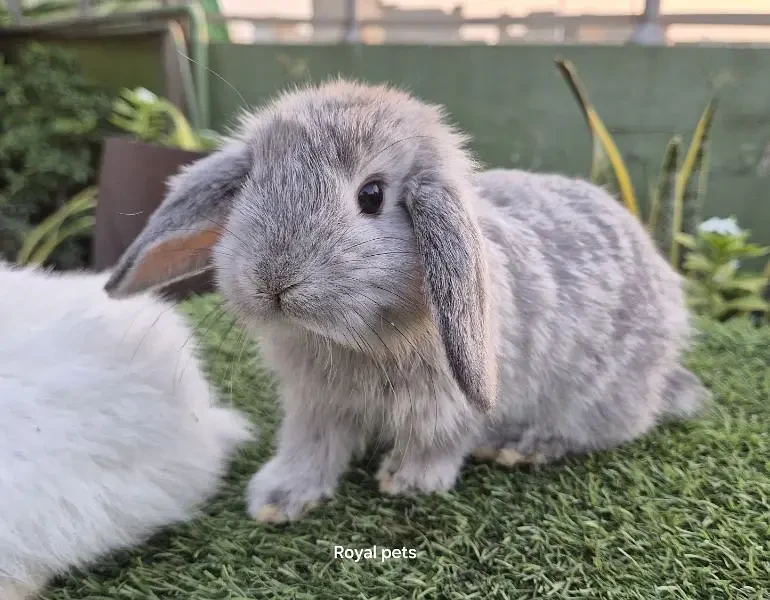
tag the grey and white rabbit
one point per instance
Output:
(108, 429)
(404, 298)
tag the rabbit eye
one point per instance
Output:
(370, 198)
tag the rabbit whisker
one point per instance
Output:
(429, 372)
(218, 352)
(133, 321)
(404, 378)
(391, 268)
(391, 253)
(405, 453)
(345, 230)
(353, 337)
(372, 240)
(195, 331)
(226, 229)
(408, 305)
(387, 269)
(197, 250)
(382, 319)
(147, 332)
(384, 372)
(236, 362)
(244, 104)
(349, 326)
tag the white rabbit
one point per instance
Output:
(403, 297)
(108, 430)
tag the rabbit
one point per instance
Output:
(109, 430)
(409, 300)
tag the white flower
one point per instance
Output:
(145, 95)
(727, 226)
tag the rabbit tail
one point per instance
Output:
(684, 395)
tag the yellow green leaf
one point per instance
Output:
(692, 162)
(699, 263)
(78, 227)
(753, 285)
(718, 305)
(604, 146)
(659, 220)
(83, 201)
(725, 272)
(687, 240)
(747, 304)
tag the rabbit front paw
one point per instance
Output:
(277, 495)
(417, 475)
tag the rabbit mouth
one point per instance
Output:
(276, 305)
(330, 320)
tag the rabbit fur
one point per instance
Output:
(108, 430)
(516, 316)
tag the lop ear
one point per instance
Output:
(177, 241)
(452, 248)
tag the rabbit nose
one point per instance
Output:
(275, 285)
(276, 288)
(274, 277)
(279, 296)
(280, 292)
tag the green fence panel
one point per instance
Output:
(521, 113)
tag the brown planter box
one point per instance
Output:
(132, 184)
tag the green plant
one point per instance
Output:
(153, 119)
(759, 316)
(716, 288)
(607, 165)
(676, 197)
(52, 121)
(72, 220)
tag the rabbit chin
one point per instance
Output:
(348, 331)
(369, 327)
(373, 334)
(263, 314)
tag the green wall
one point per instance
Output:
(521, 113)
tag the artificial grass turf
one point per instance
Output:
(682, 513)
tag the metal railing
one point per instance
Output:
(646, 28)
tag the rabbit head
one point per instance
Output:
(333, 209)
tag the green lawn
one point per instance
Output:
(684, 513)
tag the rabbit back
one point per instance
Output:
(593, 318)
